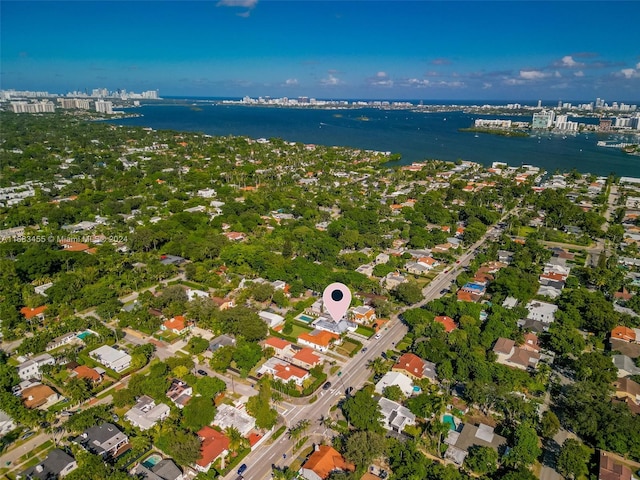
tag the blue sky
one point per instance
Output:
(481, 50)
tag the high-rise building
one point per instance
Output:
(539, 103)
(104, 107)
(44, 106)
(543, 119)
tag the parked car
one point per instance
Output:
(378, 336)
(364, 349)
(202, 372)
(326, 386)
(242, 469)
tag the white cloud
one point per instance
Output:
(514, 81)
(331, 80)
(579, 73)
(532, 74)
(381, 75)
(638, 65)
(569, 62)
(418, 83)
(237, 3)
(629, 73)
(486, 85)
(290, 82)
(415, 82)
(557, 74)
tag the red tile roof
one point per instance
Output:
(624, 333)
(213, 444)
(325, 460)
(610, 470)
(83, 371)
(308, 356)
(29, 313)
(411, 364)
(277, 343)
(286, 371)
(448, 323)
(322, 338)
(178, 323)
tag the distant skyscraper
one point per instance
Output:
(539, 103)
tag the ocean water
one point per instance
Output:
(416, 136)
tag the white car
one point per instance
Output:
(378, 336)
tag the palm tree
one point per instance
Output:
(298, 429)
(377, 365)
(236, 440)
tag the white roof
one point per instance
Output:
(395, 378)
(108, 355)
(228, 416)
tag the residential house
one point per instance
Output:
(364, 315)
(178, 325)
(510, 302)
(172, 260)
(39, 396)
(223, 303)
(466, 296)
(116, 360)
(283, 371)
(93, 374)
(415, 367)
(221, 341)
(6, 423)
(341, 326)
(505, 256)
(234, 236)
(60, 341)
(625, 334)
(214, 445)
(610, 469)
(366, 269)
(165, 469)
(531, 342)
(381, 259)
(105, 440)
(628, 391)
(513, 356)
(324, 461)
(392, 280)
(395, 378)
(228, 416)
(281, 348)
(145, 413)
(32, 368)
(271, 319)
(460, 441)
(179, 392)
(306, 358)
(551, 291)
(395, 416)
(541, 311)
(416, 268)
(319, 340)
(625, 365)
(34, 313)
(56, 465)
(192, 294)
(447, 322)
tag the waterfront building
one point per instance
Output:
(543, 119)
(104, 107)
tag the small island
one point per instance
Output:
(495, 131)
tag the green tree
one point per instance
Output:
(362, 447)
(525, 449)
(209, 387)
(197, 345)
(198, 413)
(549, 425)
(183, 446)
(573, 459)
(407, 293)
(482, 460)
(259, 406)
(363, 412)
(393, 392)
(79, 389)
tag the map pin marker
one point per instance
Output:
(337, 298)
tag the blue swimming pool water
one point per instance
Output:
(151, 460)
(449, 419)
(83, 335)
(304, 318)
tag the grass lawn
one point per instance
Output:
(525, 231)
(403, 345)
(365, 331)
(347, 348)
(297, 329)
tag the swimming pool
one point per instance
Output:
(450, 420)
(151, 460)
(304, 318)
(83, 335)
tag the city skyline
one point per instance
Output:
(377, 50)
